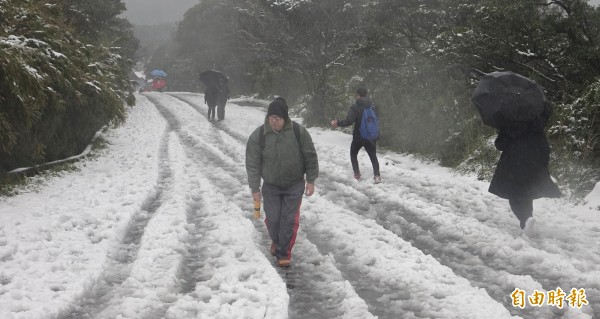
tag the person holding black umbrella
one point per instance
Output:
(522, 173)
(222, 97)
(216, 93)
(517, 107)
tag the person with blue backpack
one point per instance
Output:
(365, 133)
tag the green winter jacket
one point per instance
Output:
(280, 162)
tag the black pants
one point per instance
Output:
(221, 101)
(371, 149)
(221, 111)
(211, 112)
(522, 208)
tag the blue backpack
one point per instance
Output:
(369, 125)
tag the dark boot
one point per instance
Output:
(273, 248)
(522, 208)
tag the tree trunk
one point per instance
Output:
(316, 107)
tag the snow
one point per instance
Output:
(98, 89)
(21, 42)
(33, 72)
(289, 4)
(159, 225)
(55, 54)
(140, 74)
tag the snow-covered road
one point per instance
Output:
(158, 224)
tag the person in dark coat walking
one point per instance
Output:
(210, 99)
(354, 116)
(216, 96)
(522, 173)
(222, 97)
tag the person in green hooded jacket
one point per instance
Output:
(282, 154)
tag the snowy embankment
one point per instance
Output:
(158, 225)
(55, 237)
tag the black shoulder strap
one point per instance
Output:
(297, 132)
(296, 128)
(261, 137)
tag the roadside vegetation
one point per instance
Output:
(420, 59)
(64, 66)
(64, 69)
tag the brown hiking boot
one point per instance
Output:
(273, 249)
(283, 263)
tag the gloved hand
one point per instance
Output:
(257, 209)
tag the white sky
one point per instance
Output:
(158, 225)
(151, 12)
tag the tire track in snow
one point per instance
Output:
(309, 297)
(411, 227)
(195, 253)
(121, 257)
(190, 273)
(372, 292)
(408, 222)
(194, 259)
(449, 248)
(216, 124)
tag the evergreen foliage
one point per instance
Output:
(320, 40)
(555, 43)
(64, 64)
(420, 59)
(63, 75)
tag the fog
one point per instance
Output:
(152, 12)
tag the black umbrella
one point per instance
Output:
(212, 78)
(508, 96)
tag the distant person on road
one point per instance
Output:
(354, 116)
(159, 84)
(522, 173)
(216, 96)
(210, 99)
(222, 97)
(281, 153)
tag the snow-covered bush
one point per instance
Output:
(57, 87)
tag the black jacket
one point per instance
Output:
(354, 115)
(522, 171)
(210, 95)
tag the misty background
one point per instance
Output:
(67, 73)
(153, 12)
(422, 85)
(421, 61)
